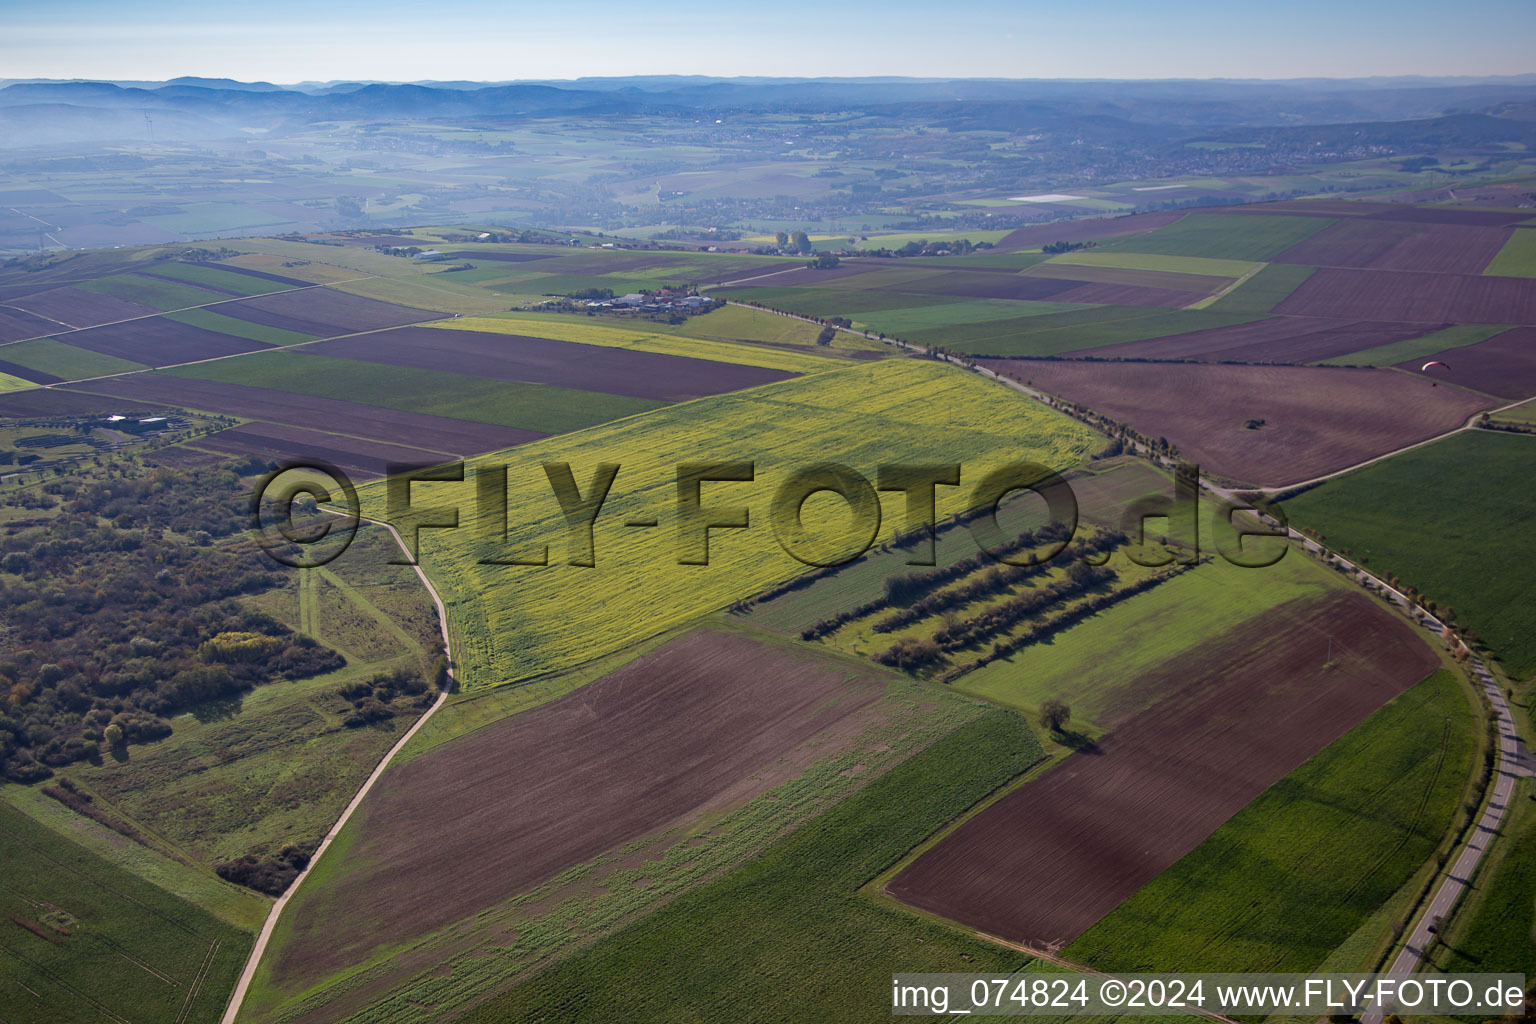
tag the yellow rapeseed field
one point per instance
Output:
(510, 622)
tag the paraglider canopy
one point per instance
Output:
(1433, 362)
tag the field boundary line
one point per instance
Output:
(253, 961)
(1077, 968)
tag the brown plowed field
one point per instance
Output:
(79, 308)
(438, 433)
(1318, 419)
(1379, 244)
(323, 312)
(1406, 295)
(17, 325)
(615, 371)
(1504, 365)
(1048, 860)
(1450, 215)
(276, 443)
(53, 402)
(705, 722)
(1086, 230)
(157, 341)
(1279, 339)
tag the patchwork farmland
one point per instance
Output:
(648, 772)
(619, 763)
(1049, 859)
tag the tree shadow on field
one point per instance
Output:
(1080, 743)
(218, 710)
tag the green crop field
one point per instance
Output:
(1201, 265)
(147, 291)
(1525, 412)
(538, 407)
(1517, 258)
(1263, 291)
(212, 276)
(1463, 540)
(833, 302)
(1457, 336)
(738, 323)
(726, 952)
(611, 333)
(1224, 236)
(87, 940)
(1286, 883)
(513, 621)
(1053, 334)
(904, 321)
(208, 320)
(1095, 665)
(62, 360)
(12, 383)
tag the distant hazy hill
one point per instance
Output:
(1468, 112)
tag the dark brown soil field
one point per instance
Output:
(1280, 339)
(1317, 419)
(1400, 245)
(1086, 230)
(1048, 860)
(1161, 279)
(615, 371)
(1504, 365)
(438, 433)
(53, 402)
(1406, 295)
(701, 724)
(362, 459)
(1381, 211)
(323, 312)
(17, 325)
(157, 341)
(79, 308)
(1451, 215)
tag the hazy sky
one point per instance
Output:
(296, 40)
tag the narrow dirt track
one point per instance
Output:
(233, 1009)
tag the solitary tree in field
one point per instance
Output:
(1054, 715)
